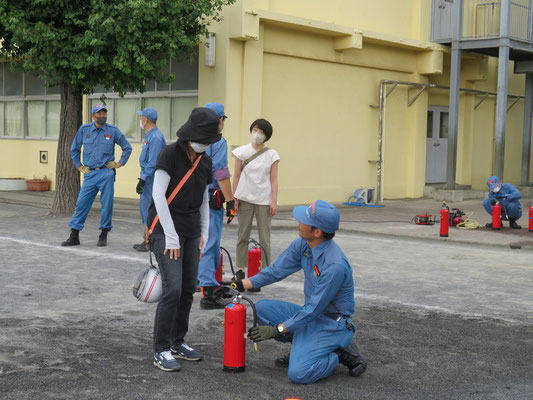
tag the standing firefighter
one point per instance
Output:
(321, 331)
(99, 168)
(154, 141)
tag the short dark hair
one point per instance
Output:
(325, 235)
(264, 125)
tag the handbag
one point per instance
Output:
(216, 199)
(148, 286)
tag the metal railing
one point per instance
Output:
(481, 19)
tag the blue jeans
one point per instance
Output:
(102, 180)
(313, 348)
(511, 210)
(211, 257)
(146, 198)
(179, 285)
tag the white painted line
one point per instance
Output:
(76, 250)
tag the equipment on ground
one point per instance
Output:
(444, 220)
(496, 216)
(363, 197)
(148, 287)
(424, 219)
(456, 216)
(255, 262)
(235, 331)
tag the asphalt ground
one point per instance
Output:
(436, 320)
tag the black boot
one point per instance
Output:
(141, 247)
(283, 362)
(352, 358)
(102, 239)
(73, 239)
(211, 300)
(513, 224)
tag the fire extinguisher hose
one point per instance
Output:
(254, 313)
(230, 261)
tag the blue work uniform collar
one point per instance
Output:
(317, 251)
(149, 133)
(94, 128)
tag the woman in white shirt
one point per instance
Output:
(255, 188)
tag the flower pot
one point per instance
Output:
(38, 185)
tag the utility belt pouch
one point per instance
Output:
(216, 199)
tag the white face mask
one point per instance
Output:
(199, 147)
(496, 189)
(257, 138)
(141, 124)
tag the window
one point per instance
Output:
(27, 107)
(173, 102)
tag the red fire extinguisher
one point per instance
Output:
(496, 217)
(234, 333)
(218, 273)
(254, 260)
(531, 218)
(444, 220)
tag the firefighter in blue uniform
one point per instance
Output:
(98, 139)
(219, 190)
(509, 198)
(154, 142)
(321, 331)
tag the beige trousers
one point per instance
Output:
(246, 216)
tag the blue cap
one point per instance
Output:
(320, 214)
(492, 182)
(98, 107)
(217, 108)
(149, 113)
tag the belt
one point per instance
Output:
(337, 316)
(97, 168)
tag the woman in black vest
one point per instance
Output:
(179, 230)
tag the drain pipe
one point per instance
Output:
(382, 97)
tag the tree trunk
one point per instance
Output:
(67, 176)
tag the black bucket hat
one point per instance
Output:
(201, 127)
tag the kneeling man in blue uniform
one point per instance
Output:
(322, 330)
(509, 198)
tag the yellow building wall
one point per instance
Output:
(283, 60)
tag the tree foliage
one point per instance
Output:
(78, 45)
(117, 44)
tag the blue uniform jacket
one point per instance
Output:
(154, 142)
(98, 145)
(328, 285)
(219, 155)
(512, 193)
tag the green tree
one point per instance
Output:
(78, 45)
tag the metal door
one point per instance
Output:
(437, 144)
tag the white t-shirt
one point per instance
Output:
(254, 183)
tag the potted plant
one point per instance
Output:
(38, 185)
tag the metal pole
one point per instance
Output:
(526, 141)
(380, 140)
(455, 83)
(503, 86)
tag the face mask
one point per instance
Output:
(101, 120)
(496, 189)
(141, 124)
(257, 138)
(199, 147)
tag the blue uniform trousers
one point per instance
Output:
(510, 211)
(102, 180)
(211, 256)
(146, 198)
(312, 352)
